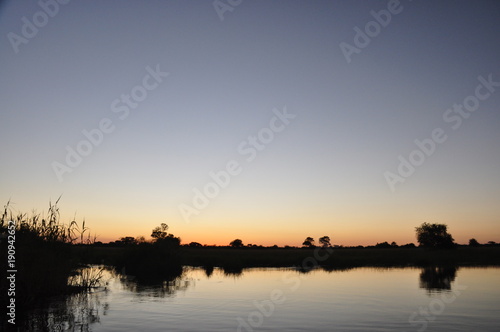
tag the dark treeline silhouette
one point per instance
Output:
(158, 256)
(430, 236)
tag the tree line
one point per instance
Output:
(428, 236)
(435, 236)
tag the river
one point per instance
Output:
(270, 299)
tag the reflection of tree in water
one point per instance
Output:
(437, 278)
(166, 288)
(209, 270)
(228, 271)
(233, 271)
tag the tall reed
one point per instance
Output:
(43, 253)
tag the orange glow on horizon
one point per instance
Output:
(348, 240)
(349, 227)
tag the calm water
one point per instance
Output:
(365, 299)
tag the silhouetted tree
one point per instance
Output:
(164, 239)
(160, 232)
(434, 236)
(128, 240)
(195, 244)
(308, 242)
(325, 241)
(473, 243)
(237, 243)
(383, 245)
(140, 239)
(394, 244)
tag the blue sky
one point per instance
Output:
(322, 175)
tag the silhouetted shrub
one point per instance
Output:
(434, 236)
(473, 243)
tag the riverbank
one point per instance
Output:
(238, 258)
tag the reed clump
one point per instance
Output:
(87, 277)
(43, 254)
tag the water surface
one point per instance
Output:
(363, 299)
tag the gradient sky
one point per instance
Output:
(323, 174)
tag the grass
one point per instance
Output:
(86, 277)
(43, 255)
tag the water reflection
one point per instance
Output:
(75, 313)
(79, 312)
(233, 271)
(166, 288)
(209, 270)
(437, 278)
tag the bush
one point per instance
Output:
(434, 236)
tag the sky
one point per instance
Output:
(268, 121)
